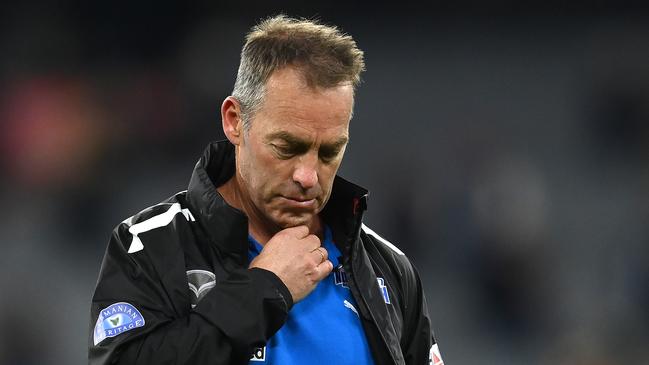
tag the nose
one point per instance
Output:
(306, 171)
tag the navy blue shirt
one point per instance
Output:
(324, 327)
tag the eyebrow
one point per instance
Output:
(303, 144)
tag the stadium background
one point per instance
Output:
(505, 144)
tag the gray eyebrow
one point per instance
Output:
(288, 138)
(294, 140)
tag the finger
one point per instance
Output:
(321, 254)
(317, 256)
(313, 242)
(323, 269)
(298, 231)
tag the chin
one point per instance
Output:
(293, 220)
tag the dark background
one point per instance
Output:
(505, 145)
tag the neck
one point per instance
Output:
(259, 226)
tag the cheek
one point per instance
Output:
(266, 173)
(250, 167)
(327, 175)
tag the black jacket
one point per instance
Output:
(183, 265)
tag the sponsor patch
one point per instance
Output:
(435, 358)
(116, 319)
(258, 354)
(384, 290)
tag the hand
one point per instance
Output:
(297, 258)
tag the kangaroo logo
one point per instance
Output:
(200, 282)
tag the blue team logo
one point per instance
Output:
(116, 319)
(340, 277)
(384, 290)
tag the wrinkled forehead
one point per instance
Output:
(291, 78)
(289, 99)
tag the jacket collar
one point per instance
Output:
(227, 227)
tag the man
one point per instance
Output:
(265, 258)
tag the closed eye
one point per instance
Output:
(288, 151)
(286, 146)
(328, 154)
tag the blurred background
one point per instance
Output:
(505, 145)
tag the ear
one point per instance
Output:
(232, 120)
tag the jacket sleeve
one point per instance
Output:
(417, 347)
(135, 320)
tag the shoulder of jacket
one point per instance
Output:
(388, 250)
(385, 243)
(156, 216)
(175, 200)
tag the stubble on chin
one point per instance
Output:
(291, 220)
(284, 217)
(287, 219)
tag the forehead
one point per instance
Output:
(292, 106)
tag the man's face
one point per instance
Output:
(289, 157)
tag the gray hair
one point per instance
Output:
(325, 56)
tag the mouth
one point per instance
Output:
(299, 202)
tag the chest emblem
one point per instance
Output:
(340, 277)
(200, 282)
